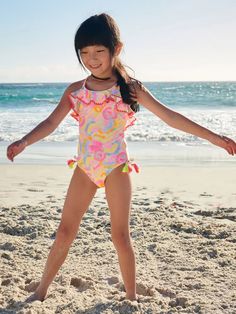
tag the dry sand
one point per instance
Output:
(183, 229)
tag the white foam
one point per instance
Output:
(15, 123)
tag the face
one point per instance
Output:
(97, 59)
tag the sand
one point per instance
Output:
(183, 229)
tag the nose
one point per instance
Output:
(92, 56)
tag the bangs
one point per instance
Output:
(93, 33)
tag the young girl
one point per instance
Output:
(104, 105)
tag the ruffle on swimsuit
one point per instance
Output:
(102, 118)
(98, 98)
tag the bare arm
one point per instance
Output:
(178, 121)
(45, 127)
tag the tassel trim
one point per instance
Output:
(128, 167)
(71, 162)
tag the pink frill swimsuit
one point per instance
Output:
(103, 118)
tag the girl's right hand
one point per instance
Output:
(15, 148)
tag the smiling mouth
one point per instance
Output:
(95, 67)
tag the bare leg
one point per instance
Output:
(79, 195)
(118, 193)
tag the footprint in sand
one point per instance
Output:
(112, 280)
(143, 203)
(152, 248)
(205, 194)
(81, 284)
(140, 288)
(35, 190)
(6, 282)
(160, 201)
(9, 280)
(145, 290)
(8, 246)
(179, 301)
(32, 286)
(205, 213)
(165, 292)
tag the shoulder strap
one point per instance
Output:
(84, 82)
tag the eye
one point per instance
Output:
(83, 52)
(101, 50)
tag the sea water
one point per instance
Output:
(210, 104)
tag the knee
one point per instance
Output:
(65, 234)
(121, 240)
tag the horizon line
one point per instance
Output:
(185, 81)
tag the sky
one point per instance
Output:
(164, 40)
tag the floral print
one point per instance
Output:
(102, 118)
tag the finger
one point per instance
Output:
(12, 153)
(9, 153)
(234, 148)
(10, 157)
(228, 150)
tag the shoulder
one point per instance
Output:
(138, 90)
(136, 86)
(144, 97)
(73, 87)
(70, 89)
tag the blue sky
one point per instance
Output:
(164, 40)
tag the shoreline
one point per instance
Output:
(30, 184)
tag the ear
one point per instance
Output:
(118, 49)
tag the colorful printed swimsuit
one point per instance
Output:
(103, 117)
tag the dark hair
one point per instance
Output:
(102, 30)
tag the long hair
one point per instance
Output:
(102, 30)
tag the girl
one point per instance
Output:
(104, 105)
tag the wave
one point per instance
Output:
(49, 100)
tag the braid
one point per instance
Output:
(124, 81)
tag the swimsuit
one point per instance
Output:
(103, 118)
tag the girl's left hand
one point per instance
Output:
(225, 142)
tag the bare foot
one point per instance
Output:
(131, 297)
(36, 297)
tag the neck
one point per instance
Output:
(101, 78)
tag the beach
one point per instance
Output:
(76, 86)
(182, 225)
(182, 217)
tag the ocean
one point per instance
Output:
(210, 104)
